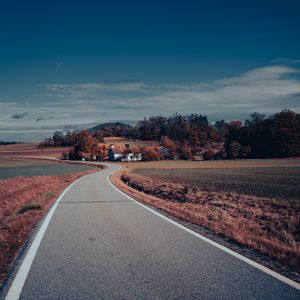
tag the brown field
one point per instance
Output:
(237, 163)
(25, 200)
(18, 147)
(31, 149)
(255, 203)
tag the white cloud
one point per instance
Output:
(266, 90)
(59, 65)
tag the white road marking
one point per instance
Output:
(250, 262)
(16, 287)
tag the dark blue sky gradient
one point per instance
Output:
(171, 41)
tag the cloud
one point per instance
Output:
(19, 116)
(59, 65)
(43, 119)
(89, 90)
(267, 90)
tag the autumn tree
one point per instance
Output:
(150, 153)
(169, 144)
(86, 144)
(98, 136)
(58, 138)
(184, 151)
(276, 136)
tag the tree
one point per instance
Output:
(98, 136)
(58, 138)
(150, 153)
(184, 151)
(86, 144)
(169, 144)
(276, 136)
(235, 124)
(234, 150)
(222, 129)
(254, 118)
(209, 154)
(245, 151)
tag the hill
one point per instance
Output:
(112, 129)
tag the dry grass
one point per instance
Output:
(23, 203)
(270, 226)
(31, 149)
(10, 162)
(17, 147)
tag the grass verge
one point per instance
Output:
(23, 203)
(268, 226)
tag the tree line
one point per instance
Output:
(186, 136)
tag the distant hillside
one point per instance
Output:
(112, 129)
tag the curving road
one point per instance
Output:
(99, 244)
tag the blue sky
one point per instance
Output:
(70, 64)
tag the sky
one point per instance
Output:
(73, 64)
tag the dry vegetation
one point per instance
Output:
(31, 149)
(24, 201)
(269, 225)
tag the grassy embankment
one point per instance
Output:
(24, 200)
(253, 202)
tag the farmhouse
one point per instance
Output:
(115, 154)
(132, 157)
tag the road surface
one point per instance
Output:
(100, 244)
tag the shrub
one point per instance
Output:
(245, 151)
(234, 149)
(209, 154)
(29, 206)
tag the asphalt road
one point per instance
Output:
(101, 245)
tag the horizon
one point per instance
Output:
(74, 65)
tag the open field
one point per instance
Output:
(18, 147)
(255, 203)
(11, 167)
(31, 149)
(272, 182)
(212, 164)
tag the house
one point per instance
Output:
(132, 157)
(115, 154)
(112, 146)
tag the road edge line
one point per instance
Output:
(17, 285)
(249, 261)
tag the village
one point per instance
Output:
(128, 153)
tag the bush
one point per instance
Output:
(245, 151)
(29, 206)
(75, 155)
(234, 150)
(209, 154)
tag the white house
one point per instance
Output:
(132, 157)
(115, 154)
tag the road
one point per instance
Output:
(99, 244)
